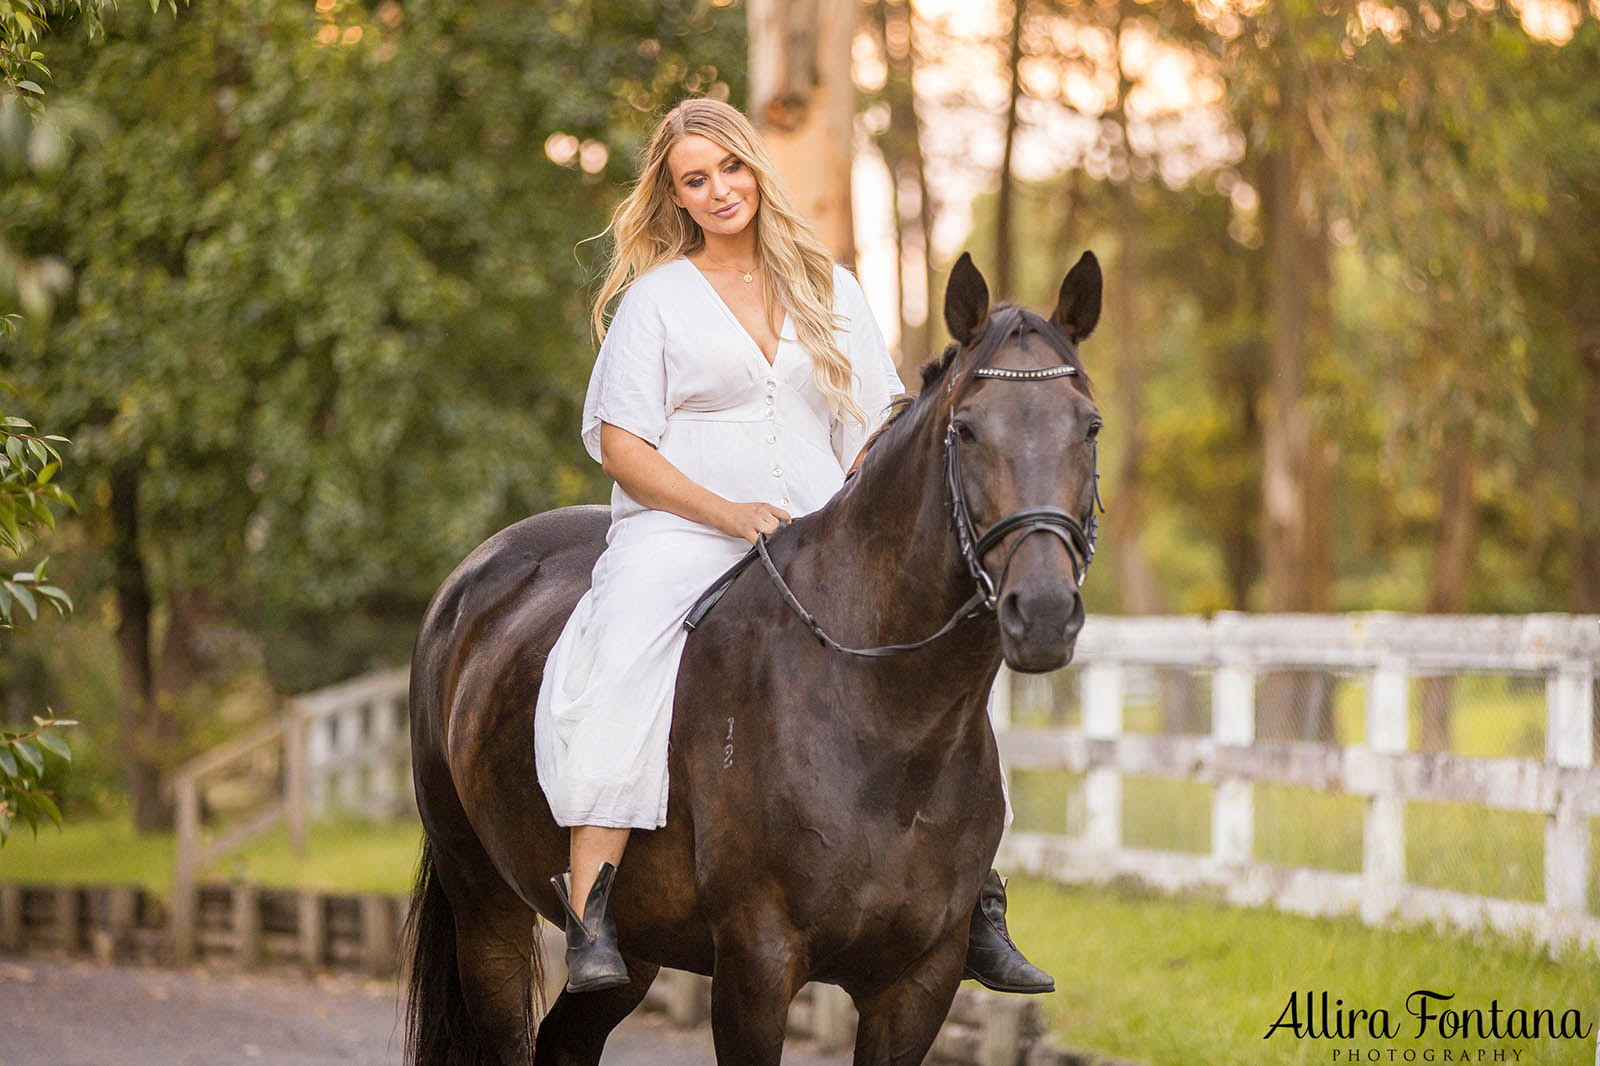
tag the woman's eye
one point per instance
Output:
(735, 165)
(695, 183)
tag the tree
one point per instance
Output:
(802, 99)
(327, 325)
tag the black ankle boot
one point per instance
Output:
(992, 959)
(593, 961)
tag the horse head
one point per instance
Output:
(1021, 429)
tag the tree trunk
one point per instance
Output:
(1284, 436)
(901, 145)
(1293, 463)
(1005, 202)
(141, 732)
(802, 99)
(1454, 536)
(1586, 537)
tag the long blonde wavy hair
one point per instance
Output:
(648, 229)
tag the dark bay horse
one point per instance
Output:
(831, 816)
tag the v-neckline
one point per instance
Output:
(717, 296)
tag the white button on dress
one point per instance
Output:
(679, 370)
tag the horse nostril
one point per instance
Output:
(1011, 605)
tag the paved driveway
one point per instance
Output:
(82, 1013)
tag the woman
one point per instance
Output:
(738, 381)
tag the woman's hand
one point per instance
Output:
(748, 519)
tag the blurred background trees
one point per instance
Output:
(306, 282)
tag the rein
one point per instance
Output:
(1078, 538)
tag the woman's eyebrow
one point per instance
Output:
(691, 173)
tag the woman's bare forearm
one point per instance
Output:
(649, 477)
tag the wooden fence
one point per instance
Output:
(1240, 654)
(245, 926)
(346, 747)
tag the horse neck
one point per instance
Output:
(888, 536)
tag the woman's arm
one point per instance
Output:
(649, 477)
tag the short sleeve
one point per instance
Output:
(876, 380)
(628, 386)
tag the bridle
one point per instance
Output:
(1078, 537)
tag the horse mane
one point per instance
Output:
(1006, 320)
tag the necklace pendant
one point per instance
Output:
(748, 277)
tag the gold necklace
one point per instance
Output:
(747, 275)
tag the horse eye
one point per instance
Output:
(964, 431)
(1094, 429)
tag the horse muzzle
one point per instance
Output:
(1039, 624)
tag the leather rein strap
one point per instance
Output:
(1078, 539)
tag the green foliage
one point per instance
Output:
(22, 768)
(29, 462)
(338, 334)
(23, 22)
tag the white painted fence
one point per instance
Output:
(358, 746)
(1388, 651)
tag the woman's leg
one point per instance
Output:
(593, 960)
(591, 846)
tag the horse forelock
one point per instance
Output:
(1005, 322)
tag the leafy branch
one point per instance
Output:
(23, 22)
(22, 769)
(29, 462)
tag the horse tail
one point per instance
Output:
(438, 1030)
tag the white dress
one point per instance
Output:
(678, 369)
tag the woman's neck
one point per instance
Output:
(733, 249)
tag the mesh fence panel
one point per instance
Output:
(1308, 827)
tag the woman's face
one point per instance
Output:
(713, 185)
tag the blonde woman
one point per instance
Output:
(735, 386)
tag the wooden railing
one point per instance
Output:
(1387, 652)
(344, 747)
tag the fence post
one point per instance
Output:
(313, 930)
(347, 755)
(246, 923)
(67, 918)
(1002, 1033)
(1102, 786)
(11, 918)
(185, 893)
(378, 935)
(1569, 741)
(1233, 722)
(294, 777)
(381, 772)
(319, 757)
(1383, 861)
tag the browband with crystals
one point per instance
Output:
(1064, 370)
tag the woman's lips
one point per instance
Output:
(727, 212)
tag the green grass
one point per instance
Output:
(342, 855)
(1178, 982)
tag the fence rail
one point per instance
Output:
(1241, 653)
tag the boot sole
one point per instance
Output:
(1020, 990)
(598, 983)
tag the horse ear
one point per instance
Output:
(1078, 307)
(966, 300)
